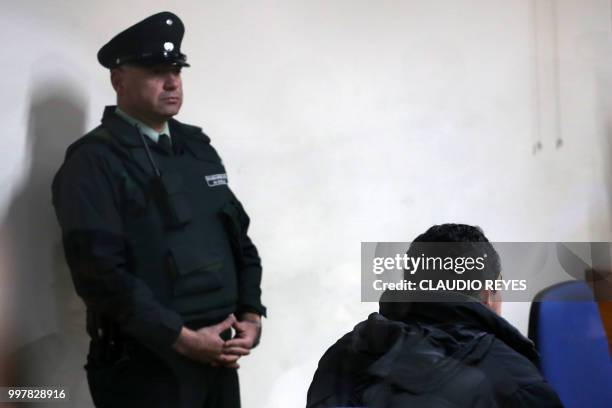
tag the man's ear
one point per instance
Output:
(116, 77)
(492, 300)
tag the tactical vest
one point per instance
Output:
(183, 227)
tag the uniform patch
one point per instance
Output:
(214, 180)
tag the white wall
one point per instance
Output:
(339, 122)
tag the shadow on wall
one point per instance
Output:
(48, 318)
(602, 85)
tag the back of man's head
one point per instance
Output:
(452, 252)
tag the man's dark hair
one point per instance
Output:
(455, 241)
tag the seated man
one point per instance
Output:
(449, 350)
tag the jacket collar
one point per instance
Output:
(455, 308)
(143, 127)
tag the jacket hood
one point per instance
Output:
(454, 311)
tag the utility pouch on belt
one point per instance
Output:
(174, 204)
(107, 343)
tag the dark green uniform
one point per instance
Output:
(154, 242)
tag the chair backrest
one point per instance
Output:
(566, 326)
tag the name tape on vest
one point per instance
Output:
(214, 180)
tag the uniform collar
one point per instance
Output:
(128, 135)
(144, 128)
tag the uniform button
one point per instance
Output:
(168, 46)
(169, 21)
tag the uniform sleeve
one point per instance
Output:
(250, 272)
(87, 205)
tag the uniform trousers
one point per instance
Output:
(140, 378)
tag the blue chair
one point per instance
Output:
(566, 326)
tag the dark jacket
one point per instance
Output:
(431, 354)
(150, 256)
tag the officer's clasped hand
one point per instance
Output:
(248, 333)
(206, 345)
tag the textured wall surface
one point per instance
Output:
(338, 122)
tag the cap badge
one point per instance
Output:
(168, 46)
(169, 21)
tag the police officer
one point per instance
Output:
(155, 239)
